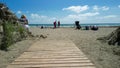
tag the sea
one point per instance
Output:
(73, 25)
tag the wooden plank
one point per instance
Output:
(51, 59)
(52, 54)
(55, 65)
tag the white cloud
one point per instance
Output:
(90, 14)
(37, 18)
(77, 9)
(118, 6)
(103, 8)
(19, 12)
(81, 17)
(110, 16)
(71, 18)
(95, 8)
(34, 15)
(107, 19)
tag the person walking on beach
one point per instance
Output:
(58, 24)
(54, 24)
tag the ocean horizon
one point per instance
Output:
(73, 25)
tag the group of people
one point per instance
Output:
(94, 27)
(24, 22)
(55, 23)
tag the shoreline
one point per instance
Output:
(83, 27)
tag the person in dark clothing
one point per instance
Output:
(86, 27)
(41, 27)
(94, 27)
(58, 24)
(77, 25)
(54, 24)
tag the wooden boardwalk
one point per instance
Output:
(52, 54)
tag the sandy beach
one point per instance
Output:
(101, 54)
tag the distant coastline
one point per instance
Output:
(73, 25)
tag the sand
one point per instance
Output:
(6, 57)
(101, 54)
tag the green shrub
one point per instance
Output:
(12, 34)
(22, 31)
(8, 35)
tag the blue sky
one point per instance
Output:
(67, 11)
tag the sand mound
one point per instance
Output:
(113, 38)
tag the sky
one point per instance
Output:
(66, 11)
